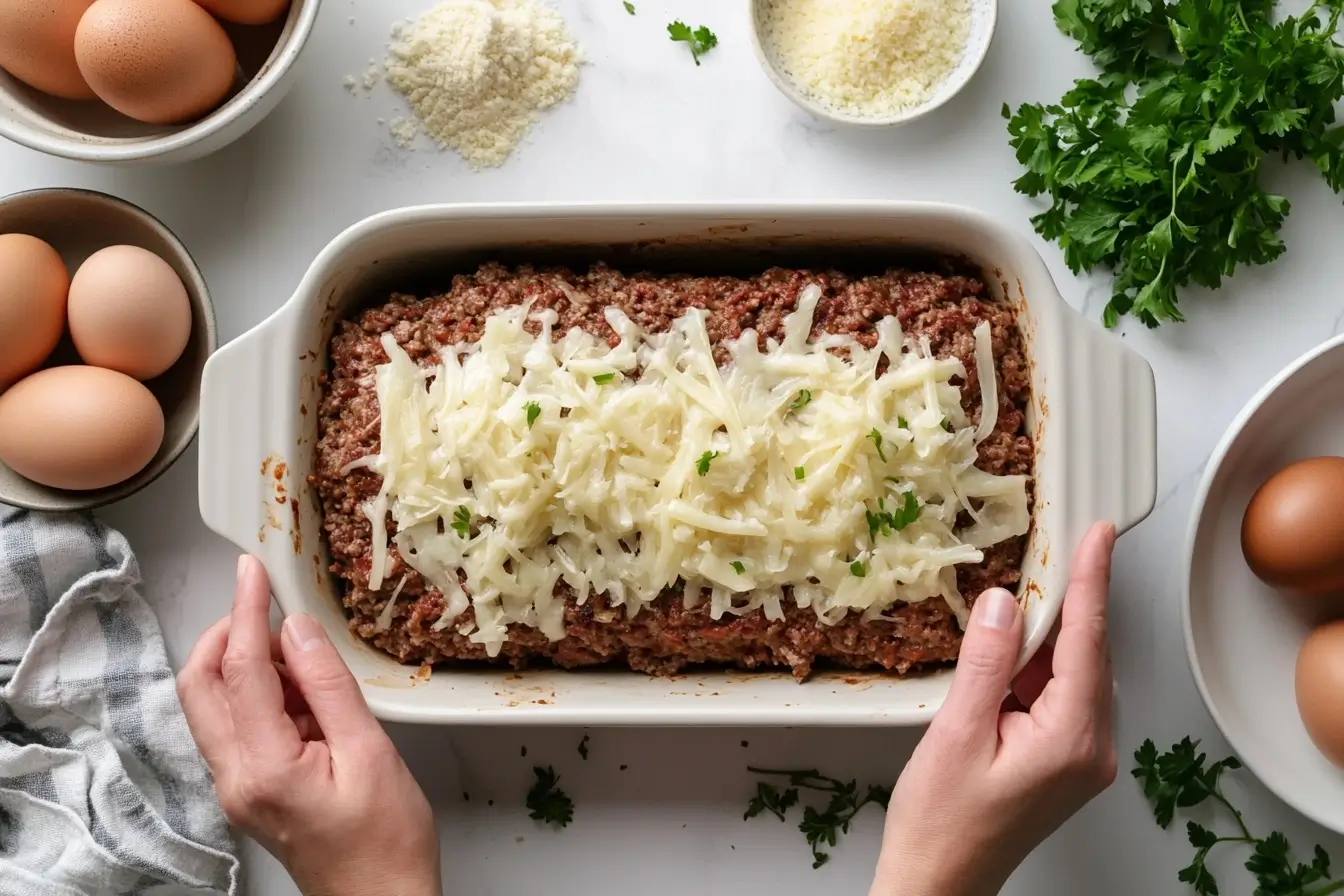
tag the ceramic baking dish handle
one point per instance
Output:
(242, 435)
(1112, 417)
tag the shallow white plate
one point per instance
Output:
(1241, 635)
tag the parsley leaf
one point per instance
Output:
(888, 521)
(603, 378)
(1152, 169)
(700, 40)
(802, 401)
(799, 473)
(738, 567)
(702, 465)
(629, 7)
(876, 438)
(462, 522)
(820, 827)
(547, 801)
(1182, 778)
(533, 412)
(902, 423)
(858, 569)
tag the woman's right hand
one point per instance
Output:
(300, 764)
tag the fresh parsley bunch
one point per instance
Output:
(1153, 167)
(1183, 778)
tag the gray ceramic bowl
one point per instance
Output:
(78, 223)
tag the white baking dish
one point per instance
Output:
(1093, 415)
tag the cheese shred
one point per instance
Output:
(606, 488)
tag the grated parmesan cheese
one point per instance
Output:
(872, 58)
(644, 464)
(478, 72)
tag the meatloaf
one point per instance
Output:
(939, 301)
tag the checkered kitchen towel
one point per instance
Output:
(101, 789)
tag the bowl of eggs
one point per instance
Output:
(1263, 598)
(140, 81)
(105, 327)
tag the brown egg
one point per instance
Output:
(79, 428)
(1293, 532)
(129, 312)
(247, 12)
(1319, 683)
(33, 289)
(37, 45)
(157, 61)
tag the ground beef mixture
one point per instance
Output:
(941, 303)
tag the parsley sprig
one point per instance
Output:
(462, 522)
(1182, 778)
(547, 801)
(821, 827)
(1153, 167)
(886, 521)
(700, 40)
(702, 465)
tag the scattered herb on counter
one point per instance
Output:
(802, 401)
(822, 828)
(629, 7)
(583, 747)
(1153, 167)
(603, 378)
(738, 567)
(888, 521)
(857, 569)
(702, 465)
(547, 801)
(462, 525)
(876, 438)
(533, 412)
(799, 473)
(1182, 778)
(700, 40)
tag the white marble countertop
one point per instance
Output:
(647, 124)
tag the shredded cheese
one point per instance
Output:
(782, 476)
(868, 57)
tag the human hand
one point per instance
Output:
(300, 764)
(993, 777)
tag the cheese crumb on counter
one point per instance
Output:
(478, 72)
(870, 58)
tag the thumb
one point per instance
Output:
(326, 684)
(984, 669)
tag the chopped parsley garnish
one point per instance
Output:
(700, 40)
(858, 569)
(629, 7)
(533, 412)
(462, 522)
(547, 801)
(947, 423)
(799, 473)
(876, 438)
(1182, 778)
(902, 423)
(583, 747)
(802, 401)
(702, 465)
(889, 521)
(821, 828)
(603, 378)
(738, 567)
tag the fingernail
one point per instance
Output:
(303, 631)
(996, 608)
(244, 564)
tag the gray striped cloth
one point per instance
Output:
(102, 790)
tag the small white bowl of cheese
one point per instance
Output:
(872, 63)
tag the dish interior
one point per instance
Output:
(1244, 635)
(379, 257)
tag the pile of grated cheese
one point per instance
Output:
(519, 462)
(870, 58)
(477, 73)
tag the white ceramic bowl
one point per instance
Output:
(1242, 636)
(984, 18)
(93, 132)
(1093, 414)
